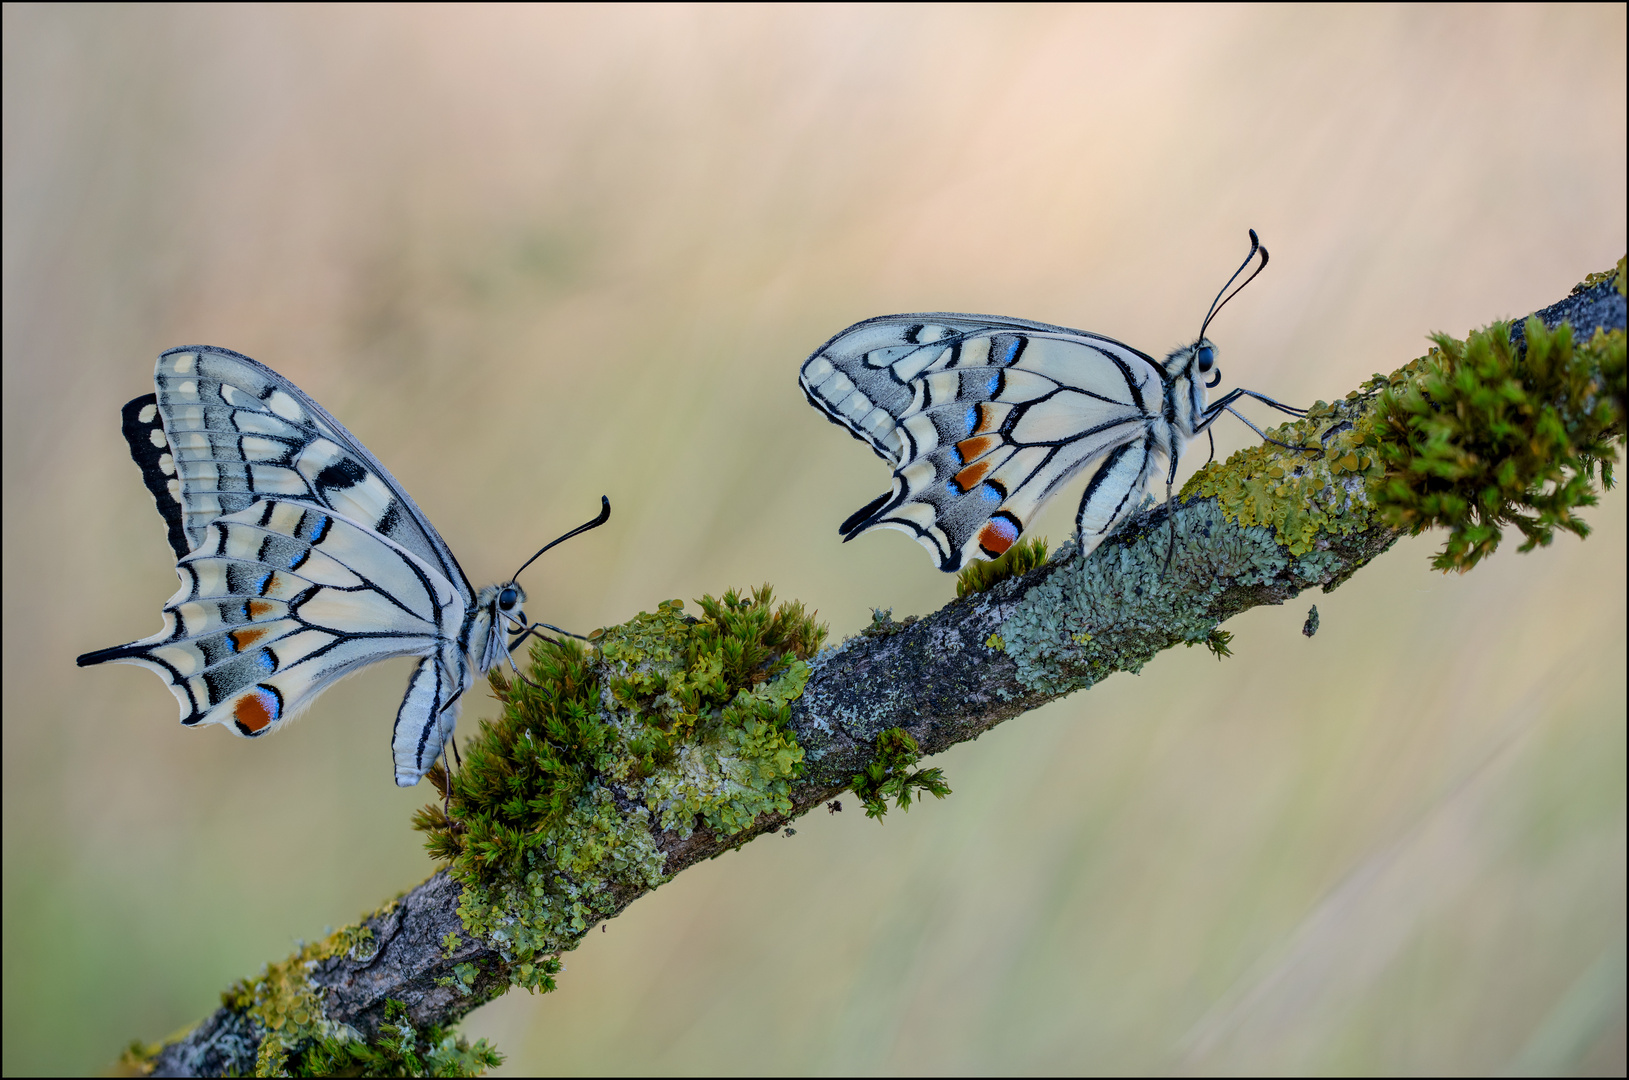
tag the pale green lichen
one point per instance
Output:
(1126, 603)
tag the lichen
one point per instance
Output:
(1016, 561)
(669, 722)
(1139, 593)
(1314, 487)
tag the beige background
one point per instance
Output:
(534, 255)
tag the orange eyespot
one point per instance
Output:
(976, 447)
(970, 477)
(252, 713)
(242, 639)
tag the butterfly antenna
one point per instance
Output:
(1217, 304)
(605, 515)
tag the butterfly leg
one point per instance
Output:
(1113, 492)
(1170, 513)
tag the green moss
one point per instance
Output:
(889, 775)
(1484, 437)
(400, 1050)
(1218, 641)
(671, 722)
(1016, 561)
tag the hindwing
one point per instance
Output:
(281, 599)
(231, 431)
(982, 419)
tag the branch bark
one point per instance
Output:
(945, 678)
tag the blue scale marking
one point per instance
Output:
(989, 494)
(1009, 352)
(972, 418)
(266, 659)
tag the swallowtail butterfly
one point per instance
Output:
(982, 418)
(301, 561)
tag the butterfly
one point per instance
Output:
(982, 418)
(301, 561)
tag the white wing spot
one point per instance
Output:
(157, 437)
(147, 413)
(285, 406)
(174, 488)
(856, 406)
(188, 387)
(166, 464)
(183, 363)
(817, 372)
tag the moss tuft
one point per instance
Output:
(1016, 561)
(672, 722)
(890, 776)
(400, 1050)
(1486, 436)
(1218, 641)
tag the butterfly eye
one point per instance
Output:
(1207, 359)
(506, 599)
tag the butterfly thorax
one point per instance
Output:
(496, 608)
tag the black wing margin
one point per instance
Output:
(144, 431)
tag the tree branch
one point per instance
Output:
(1170, 577)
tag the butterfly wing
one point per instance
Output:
(981, 419)
(223, 432)
(280, 600)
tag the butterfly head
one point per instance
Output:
(1189, 371)
(499, 615)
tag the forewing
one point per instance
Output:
(237, 432)
(278, 601)
(982, 419)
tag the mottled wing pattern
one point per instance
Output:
(281, 599)
(237, 432)
(981, 419)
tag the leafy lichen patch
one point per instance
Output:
(671, 722)
(1136, 595)
(1311, 488)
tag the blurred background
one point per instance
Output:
(533, 255)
